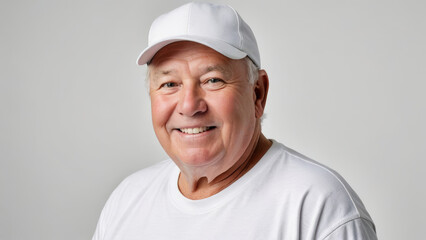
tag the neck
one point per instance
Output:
(202, 188)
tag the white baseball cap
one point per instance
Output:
(219, 27)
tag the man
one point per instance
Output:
(225, 179)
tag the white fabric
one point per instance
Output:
(284, 196)
(216, 26)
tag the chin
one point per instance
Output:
(200, 158)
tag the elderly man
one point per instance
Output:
(225, 179)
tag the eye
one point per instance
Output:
(214, 84)
(169, 85)
(214, 80)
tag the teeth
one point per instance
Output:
(194, 130)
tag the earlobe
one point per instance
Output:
(261, 88)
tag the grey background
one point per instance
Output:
(347, 89)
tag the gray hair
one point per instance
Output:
(252, 72)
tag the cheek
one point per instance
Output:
(237, 104)
(161, 110)
(236, 109)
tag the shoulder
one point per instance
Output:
(139, 186)
(298, 168)
(318, 191)
(141, 183)
(150, 173)
(147, 177)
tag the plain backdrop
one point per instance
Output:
(347, 88)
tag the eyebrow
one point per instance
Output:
(220, 68)
(163, 72)
(204, 70)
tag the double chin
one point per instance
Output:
(210, 170)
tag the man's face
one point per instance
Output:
(202, 104)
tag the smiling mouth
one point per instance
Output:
(195, 130)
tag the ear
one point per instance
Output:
(260, 93)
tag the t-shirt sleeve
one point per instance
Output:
(356, 229)
(108, 211)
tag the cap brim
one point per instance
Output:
(217, 45)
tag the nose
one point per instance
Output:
(191, 101)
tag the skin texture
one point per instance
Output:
(193, 86)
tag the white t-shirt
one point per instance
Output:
(284, 196)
